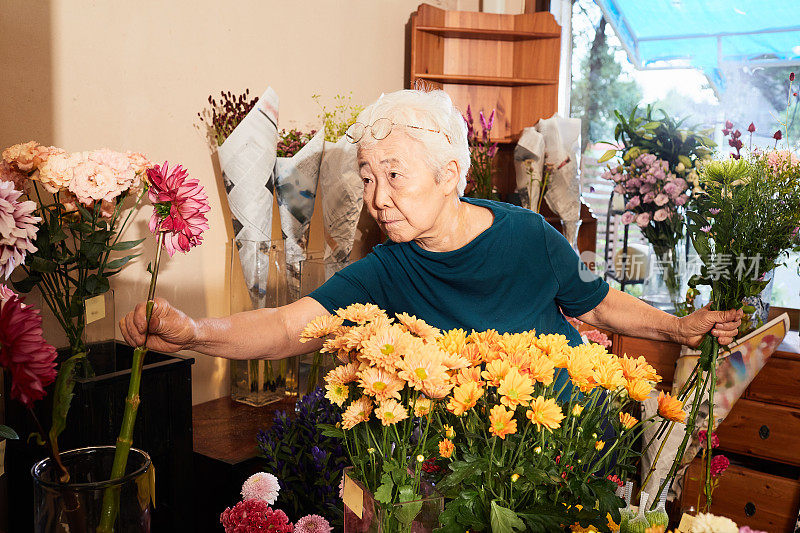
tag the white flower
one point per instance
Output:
(261, 486)
(708, 523)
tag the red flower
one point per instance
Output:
(791, 76)
(719, 464)
(251, 516)
(728, 125)
(615, 478)
(751, 128)
(702, 436)
(777, 135)
(178, 207)
(24, 351)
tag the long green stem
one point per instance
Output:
(708, 489)
(125, 439)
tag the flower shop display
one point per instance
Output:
(529, 168)
(481, 152)
(656, 175)
(524, 452)
(307, 463)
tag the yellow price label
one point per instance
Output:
(686, 523)
(95, 308)
(353, 497)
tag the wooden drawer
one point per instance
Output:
(778, 382)
(748, 497)
(662, 355)
(762, 430)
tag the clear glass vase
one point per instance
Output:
(75, 507)
(259, 280)
(663, 287)
(418, 516)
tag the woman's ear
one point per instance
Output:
(449, 176)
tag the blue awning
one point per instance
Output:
(706, 34)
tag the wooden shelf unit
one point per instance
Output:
(489, 61)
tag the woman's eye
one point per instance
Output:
(366, 180)
(394, 175)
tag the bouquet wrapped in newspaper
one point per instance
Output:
(529, 168)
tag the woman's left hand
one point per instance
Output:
(722, 324)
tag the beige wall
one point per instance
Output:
(133, 75)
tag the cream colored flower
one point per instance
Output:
(361, 313)
(358, 411)
(390, 412)
(708, 523)
(380, 383)
(343, 373)
(322, 326)
(418, 327)
(337, 392)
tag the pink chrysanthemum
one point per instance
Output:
(24, 351)
(179, 204)
(312, 523)
(17, 228)
(251, 516)
(261, 486)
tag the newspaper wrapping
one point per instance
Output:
(529, 167)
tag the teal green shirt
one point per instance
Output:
(513, 277)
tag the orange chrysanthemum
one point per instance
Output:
(469, 374)
(627, 420)
(356, 412)
(608, 374)
(436, 389)
(446, 448)
(580, 368)
(638, 368)
(343, 373)
(495, 371)
(541, 369)
(465, 397)
(501, 422)
(545, 412)
(380, 383)
(453, 341)
(556, 347)
(384, 348)
(638, 390)
(322, 326)
(390, 412)
(490, 337)
(422, 364)
(510, 343)
(515, 389)
(361, 313)
(422, 406)
(454, 361)
(472, 353)
(418, 327)
(519, 358)
(670, 407)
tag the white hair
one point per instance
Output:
(433, 110)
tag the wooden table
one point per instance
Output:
(224, 434)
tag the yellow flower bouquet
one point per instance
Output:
(526, 448)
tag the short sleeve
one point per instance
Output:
(579, 289)
(348, 286)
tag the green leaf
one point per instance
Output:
(608, 155)
(127, 245)
(41, 265)
(96, 284)
(85, 214)
(384, 492)
(652, 125)
(122, 261)
(407, 512)
(329, 430)
(62, 394)
(26, 285)
(702, 246)
(58, 235)
(460, 471)
(505, 520)
(8, 433)
(685, 160)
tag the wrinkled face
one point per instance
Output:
(400, 190)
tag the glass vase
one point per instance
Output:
(259, 280)
(663, 287)
(75, 507)
(418, 516)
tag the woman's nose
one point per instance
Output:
(382, 198)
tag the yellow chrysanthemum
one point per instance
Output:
(464, 398)
(608, 374)
(638, 368)
(580, 368)
(473, 354)
(670, 407)
(556, 347)
(423, 364)
(469, 374)
(422, 406)
(638, 390)
(490, 337)
(541, 369)
(515, 389)
(545, 412)
(577, 410)
(599, 445)
(418, 327)
(495, 371)
(446, 448)
(343, 373)
(596, 353)
(519, 358)
(453, 341)
(358, 411)
(510, 343)
(384, 348)
(380, 383)
(501, 422)
(449, 431)
(390, 412)
(337, 392)
(361, 313)
(627, 421)
(322, 326)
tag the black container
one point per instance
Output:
(163, 429)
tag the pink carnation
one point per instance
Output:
(56, 173)
(661, 199)
(633, 202)
(179, 204)
(11, 173)
(17, 228)
(628, 217)
(20, 160)
(702, 436)
(261, 486)
(643, 219)
(252, 516)
(597, 336)
(719, 464)
(312, 524)
(661, 214)
(680, 200)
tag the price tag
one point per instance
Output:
(95, 308)
(353, 497)
(2, 457)
(686, 523)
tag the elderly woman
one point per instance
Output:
(454, 262)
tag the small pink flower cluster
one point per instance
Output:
(719, 464)
(651, 191)
(702, 435)
(251, 516)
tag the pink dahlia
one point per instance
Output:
(17, 228)
(261, 486)
(312, 523)
(251, 516)
(179, 204)
(24, 351)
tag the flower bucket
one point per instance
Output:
(75, 507)
(362, 514)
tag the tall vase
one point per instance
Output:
(262, 283)
(75, 507)
(663, 287)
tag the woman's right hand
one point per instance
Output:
(170, 329)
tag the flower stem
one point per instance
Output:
(125, 439)
(708, 489)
